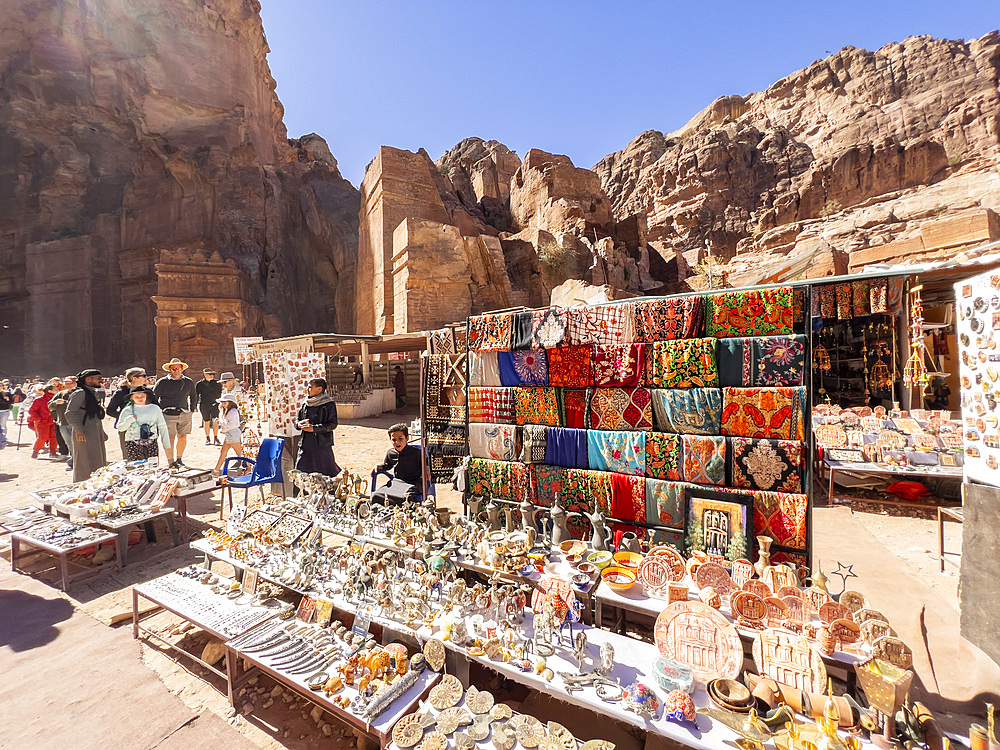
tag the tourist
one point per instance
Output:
(41, 421)
(405, 462)
(232, 431)
(5, 408)
(58, 408)
(229, 382)
(399, 383)
(84, 414)
(317, 419)
(134, 376)
(208, 391)
(16, 399)
(142, 422)
(177, 399)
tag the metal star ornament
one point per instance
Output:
(844, 572)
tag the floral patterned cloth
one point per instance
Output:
(628, 498)
(844, 306)
(704, 459)
(445, 390)
(781, 516)
(665, 502)
(496, 441)
(565, 446)
(860, 299)
(622, 452)
(574, 407)
(762, 361)
(523, 367)
(600, 324)
(523, 327)
(770, 465)
(547, 481)
(621, 409)
(618, 364)
(764, 412)
(570, 366)
(490, 478)
(536, 406)
(445, 449)
(827, 300)
(584, 491)
(688, 411)
(758, 312)
(668, 319)
(484, 369)
(548, 328)
(878, 296)
(522, 483)
(495, 405)
(663, 456)
(685, 363)
(493, 331)
(533, 438)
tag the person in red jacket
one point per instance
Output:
(44, 423)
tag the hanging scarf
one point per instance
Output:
(323, 398)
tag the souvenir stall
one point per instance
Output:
(629, 412)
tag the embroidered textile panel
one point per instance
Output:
(496, 441)
(442, 341)
(570, 366)
(536, 406)
(621, 365)
(690, 411)
(704, 459)
(585, 491)
(769, 465)
(574, 407)
(685, 363)
(567, 447)
(484, 369)
(622, 452)
(548, 482)
(781, 516)
(663, 456)
(665, 502)
(533, 438)
(523, 327)
(445, 449)
(628, 498)
(548, 328)
(490, 478)
(445, 389)
(493, 331)
(668, 319)
(759, 312)
(495, 405)
(523, 367)
(764, 412)
(603, 324)
(621, 409)
(762, 361)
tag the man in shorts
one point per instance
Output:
(208, 392)
(176, 394)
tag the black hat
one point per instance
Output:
(87, 373)
(140, 389)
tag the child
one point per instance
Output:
(406, 463)
(142, 423)
(229, 426)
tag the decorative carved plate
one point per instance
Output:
(655, 574)
(434, 654)
(714, 575)
(701, 638)
(748, 606)
(776, 576)
(777, 611)
(850, 419)
(672, 557)
(788, 591)
(796, 608)
(758, 587)
(869, 614)
(845, 631)
(742, 572)
(893, 650)
(872, 424)
(446, 693)
(528, 730)
(892, 439)
(834, 611)
(478, 701)
(815, 598)
(831, 436)
(872, 630)
(790, 660)
(853, 600)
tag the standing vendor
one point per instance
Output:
(84, 414)
(317, 419)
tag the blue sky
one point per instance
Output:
(579, 78)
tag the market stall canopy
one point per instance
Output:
(344, 345)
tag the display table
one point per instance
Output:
(24, 538)
(896, 472)
(193, 602)
(123, 526)
(955, 514)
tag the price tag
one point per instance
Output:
(362, 622)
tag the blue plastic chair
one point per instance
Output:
(428, 490)
(266, 470)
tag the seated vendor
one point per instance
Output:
(405, 462)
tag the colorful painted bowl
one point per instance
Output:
(581, 580)
(599, 560)
(574, 560)
(628, 559)
(619, 578)
(586, 568)
(573, 547)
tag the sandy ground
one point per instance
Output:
(893, 555)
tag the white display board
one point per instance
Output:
(978, 329)
(285, 379)
(242, 347)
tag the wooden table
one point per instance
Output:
(122, 528)
(956, 514)
(897, 472)
(19, 538)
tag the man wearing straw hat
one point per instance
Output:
(178, 399)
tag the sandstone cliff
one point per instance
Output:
(852, 152)
(131, 128)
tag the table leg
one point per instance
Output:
(135, 613)
(598, 613)
(829, 495)
(118, 552)
(123, 546)
(15, 553)
(940, 535)
(64, 566)
(150, 531)
(173, 529)
(182, 509)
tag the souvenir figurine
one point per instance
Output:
(641, 700)
(679, 707)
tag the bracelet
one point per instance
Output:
(609, 691)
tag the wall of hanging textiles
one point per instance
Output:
(627, 408)
(444, 405)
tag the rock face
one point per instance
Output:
(853, 152)
(135, 135)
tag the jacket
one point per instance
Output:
(133, 417)
(323, 419)
(39, 411)
(119, 400)
(57, 406)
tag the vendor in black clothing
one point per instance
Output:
(318, 419)
(406, 463)
(208, 391)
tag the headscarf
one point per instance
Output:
(91, 407)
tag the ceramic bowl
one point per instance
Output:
(619, 578)
(599, 560)
(574, 560)
(628, 559)
(581, 580)
(586, 568)
(573, 547)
